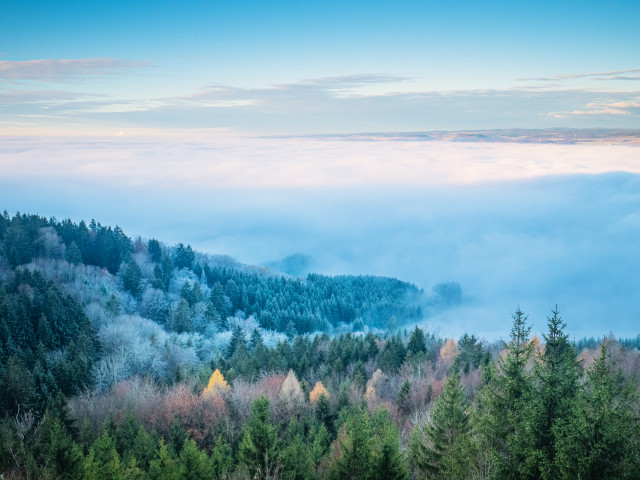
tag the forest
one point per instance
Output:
(128, 358)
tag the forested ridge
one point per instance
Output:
(128, 358)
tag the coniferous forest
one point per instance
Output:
(127, 358)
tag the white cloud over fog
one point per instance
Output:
(533, 225)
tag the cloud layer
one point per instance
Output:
(533, 225)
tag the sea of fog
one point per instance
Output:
(514, 224)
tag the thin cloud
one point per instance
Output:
(64, 69)
(610, 75)
(603, 108)
(357, 103)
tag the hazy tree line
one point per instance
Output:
(172, 364)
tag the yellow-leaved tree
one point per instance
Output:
(318, 390)
(374, 383)
(217, 384)
(449, 350)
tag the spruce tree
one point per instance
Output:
(441, 450)
(258, 450)
(354, 460)
(600, 438)
(502, 407)
(553, 395)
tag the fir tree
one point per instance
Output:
(237, 338)
(502, 407)
(441, 449)
(258, 450)
(554, 393)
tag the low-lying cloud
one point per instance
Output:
(513, 224)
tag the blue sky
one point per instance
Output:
(316, 67)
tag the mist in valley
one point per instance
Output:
(510, 237)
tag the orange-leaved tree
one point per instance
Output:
(318, 390)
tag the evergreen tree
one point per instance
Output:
(113, 307)
(221, 459)
(297, 462)
(388, 461)
(165, 465)
(61, 456)
(502, 407)
(442, 449)
(103, 462)
(403, 397)
(74, 255)
(182, 321)
(600, 437)
(154, 250)
(184, 256)
(353, 446)
(194, 463)
(132, 277)
(258, 450)
(237, 338)
(554, 393)
(417, 343)
(393, 355)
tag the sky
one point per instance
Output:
(285, 68)
(218, 124)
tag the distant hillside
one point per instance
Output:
(86, 305)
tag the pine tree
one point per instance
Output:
(61, 455)
(221, 459)
(258, 450)
(441, 449)
(600, 438)
(182, 321)
(74, 255)
(165, 465)
(388, 461)
(103, 462)
(297, 462)
(132, 277)
(194, 463)
(417, 343)
(502, 407)
(353, 449)
(237, 338)
(154, 250)
(403, 397)
(556, 375)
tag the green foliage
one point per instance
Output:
(503, 409)
(131, 277)
(154, 250)
(194, 463)
(221, 459)
(297, 461)
(417, 343)
(393, 354)
(103, 461)
(553, 397)
(599, 439)
(442, 448)
(353, 449)
(258, 450)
